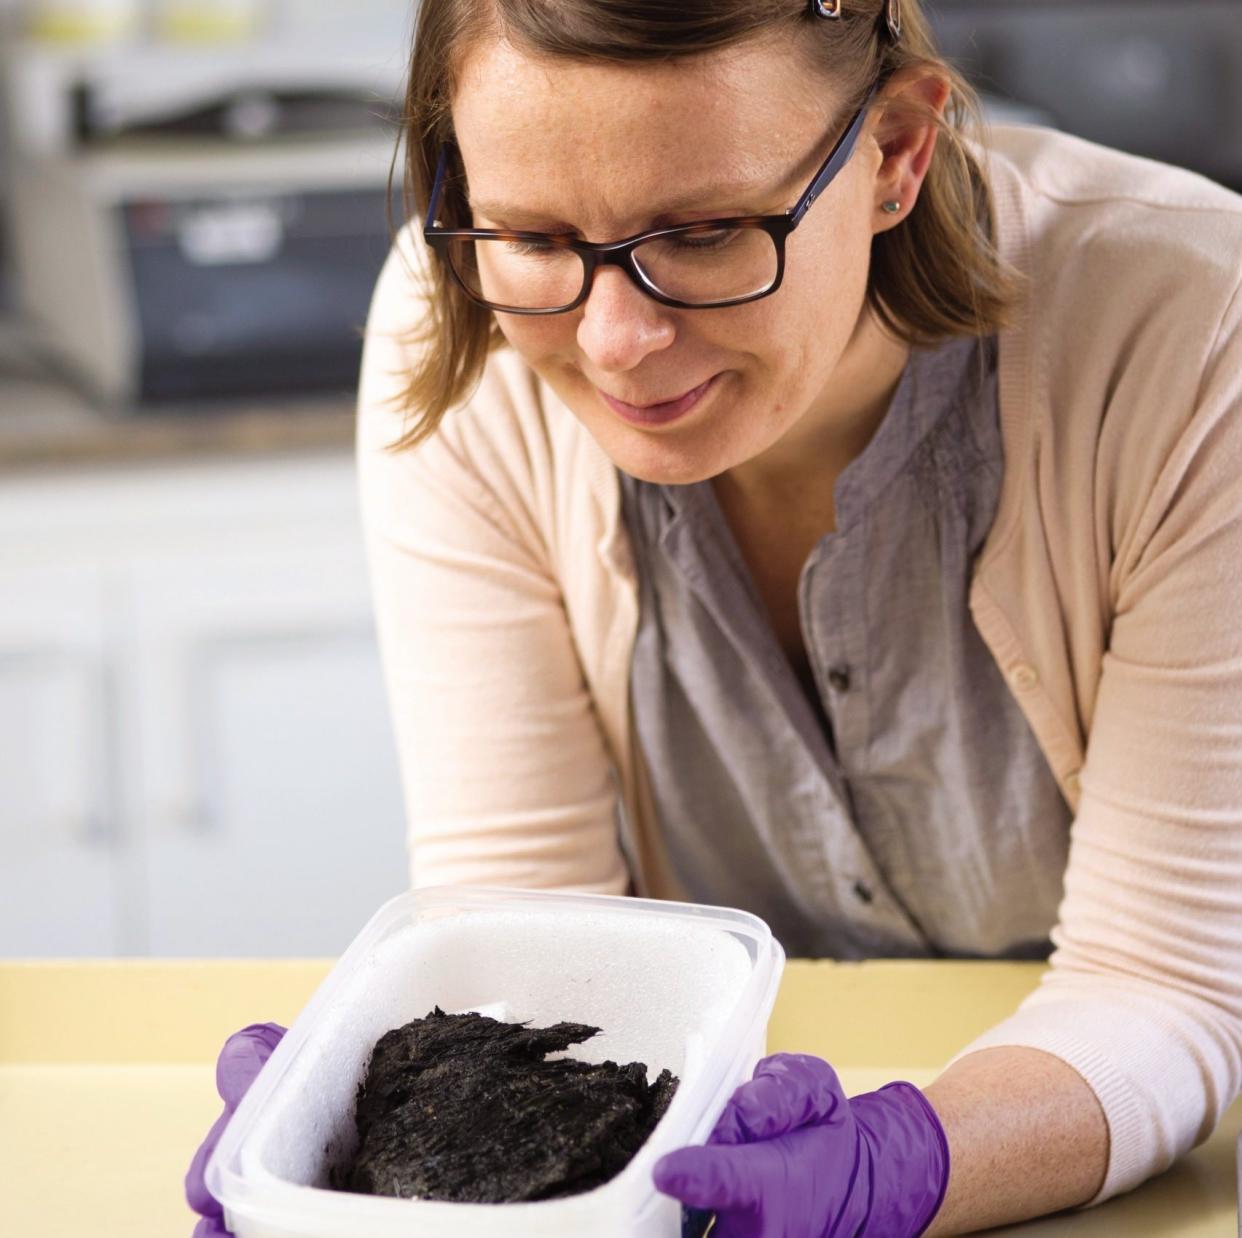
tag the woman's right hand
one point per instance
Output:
(237, 1067)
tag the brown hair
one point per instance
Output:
(935, 275)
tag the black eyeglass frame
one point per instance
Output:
(597, 254)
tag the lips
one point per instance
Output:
(649, 404)
(658, 412)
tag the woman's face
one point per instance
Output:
(605, 151)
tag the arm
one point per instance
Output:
(1026, 1137)
(1142, 1005)
(1131, 1048)
(506, 777)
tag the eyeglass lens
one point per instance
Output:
(698, 267)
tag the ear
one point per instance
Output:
(906, 134)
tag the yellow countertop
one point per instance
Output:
(107, 1080)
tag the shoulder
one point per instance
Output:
(1075, 213)
(1128, 313)
(509, 439)
(1112, 238)
(1131, 273)
(1126, 350)
(1074, 171)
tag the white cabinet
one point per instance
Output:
(197, 756)
(59, 888)
(270, 809)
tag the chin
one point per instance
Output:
(671, 456)
(662, 460)
(679, 473)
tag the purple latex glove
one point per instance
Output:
(238, 1065)
(791, 1157)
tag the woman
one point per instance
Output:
(873, 550)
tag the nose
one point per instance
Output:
(621, 325)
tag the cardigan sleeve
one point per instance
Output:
(504, 769)
(1143, 996)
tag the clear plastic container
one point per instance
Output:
(673, 985)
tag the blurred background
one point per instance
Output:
(195, 754)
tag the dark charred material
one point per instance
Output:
(463, 1107)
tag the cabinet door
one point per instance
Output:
(58, 812)
(272, 817)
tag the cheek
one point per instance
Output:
(826, 273)
(538, 338)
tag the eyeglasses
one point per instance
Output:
(708, 264)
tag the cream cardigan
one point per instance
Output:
(1109, 591)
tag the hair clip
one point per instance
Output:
(892, 17)
(831, 10)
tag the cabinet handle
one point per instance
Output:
(85, 687)
(94, 829)
(192, 816)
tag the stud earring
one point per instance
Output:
(891, 207)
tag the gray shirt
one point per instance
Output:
(907, 810)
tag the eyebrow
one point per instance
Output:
(743, 200)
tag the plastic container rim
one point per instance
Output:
(278, 1201)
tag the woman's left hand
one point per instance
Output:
(243, 1056)
(792, 1157)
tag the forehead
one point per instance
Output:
(552, 134)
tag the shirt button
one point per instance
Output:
(839, 679)
(863, 892)
(1023, 676)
